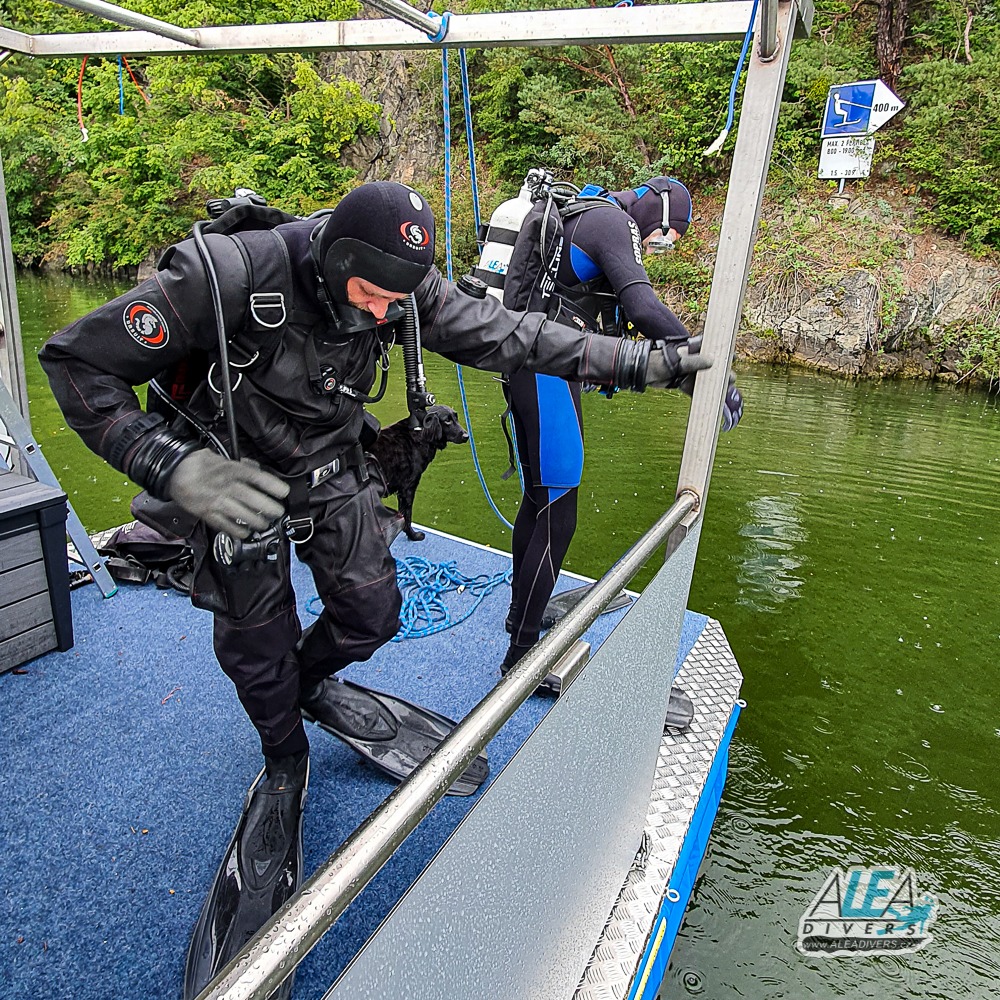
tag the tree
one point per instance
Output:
(891, 22)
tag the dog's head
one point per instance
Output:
(441, 426)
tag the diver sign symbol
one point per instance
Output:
(858, 108)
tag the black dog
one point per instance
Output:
(403, 454)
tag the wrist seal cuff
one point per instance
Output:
(157, 456)
(631, 363)
(128, 436)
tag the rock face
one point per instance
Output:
(833, 327)
(408, 146)
(916, 317)
(955, 295)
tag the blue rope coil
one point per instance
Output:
(424, 586)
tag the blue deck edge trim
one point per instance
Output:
(652, 969)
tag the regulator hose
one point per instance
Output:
(220, 323)
(417, 396)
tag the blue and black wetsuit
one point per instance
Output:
(600, 268)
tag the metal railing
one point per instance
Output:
(297, 927)
(408, 14)
(121, 15)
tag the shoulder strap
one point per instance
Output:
(245, 218)
(585, 203)
(266, 258)
(272, 302)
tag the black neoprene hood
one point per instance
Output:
(382, 232)
(645, 205)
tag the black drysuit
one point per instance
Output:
(287, 423)
(600, 267)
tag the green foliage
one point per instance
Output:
(685, 275)
(612, 115)
(891, 289)
(545, 110)
(566, 109)
(210, 124)
(31, 167)
(950, 143)
(977, 347)
(688, 86)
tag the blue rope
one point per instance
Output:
(739, 67)
(446, 111)
(445, 24)
(424, 585)
(466, 100)
(121, 89)
(731, 113)
(475, 453)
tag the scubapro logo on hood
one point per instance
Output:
(145, 325)
(414, 235)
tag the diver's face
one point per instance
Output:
(364, 295)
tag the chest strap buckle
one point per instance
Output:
(323, 472)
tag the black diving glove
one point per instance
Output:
(732, 405)
(673, 364)
(234, 497)
(689, 361)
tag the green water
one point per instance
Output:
(851, 553)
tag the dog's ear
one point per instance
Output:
(431, 425)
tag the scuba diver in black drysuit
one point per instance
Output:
(591, 278)
(308, 309)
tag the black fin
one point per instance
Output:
(260, 871)
(562, 603)
(393, 734)
(680, 711)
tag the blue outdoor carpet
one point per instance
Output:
(125, 765)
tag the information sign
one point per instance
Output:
(858, 108)
(847, 157)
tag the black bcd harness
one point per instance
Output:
(256, 257)
(532, 280)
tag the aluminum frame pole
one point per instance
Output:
(275, 951)
(754, 142)
(11, 348)
(725, 20)
(768, 28)
(408, 15)
(120, 15)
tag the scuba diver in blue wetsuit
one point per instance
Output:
(579, 259)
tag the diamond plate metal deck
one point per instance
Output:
(711, 676)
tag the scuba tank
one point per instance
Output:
(501, 234)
